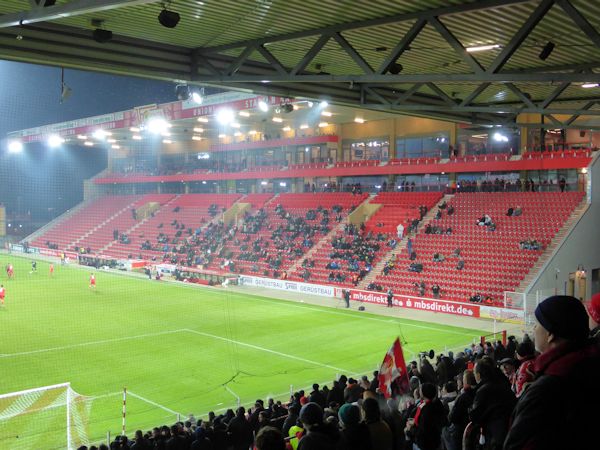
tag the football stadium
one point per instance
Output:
(283, 225)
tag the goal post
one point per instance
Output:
(45, 417)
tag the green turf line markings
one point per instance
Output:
(158, 405)
(256, 347)
(86, 344)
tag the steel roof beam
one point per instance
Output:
(456, 45)
(483, 77)
(310, 55)
(486, 109)
(338, 28)
(520, 35)
(408, 93)
(359, 60)
(559, 90)
(71, 9)
(401, 47)
(274, 62)
(442, 95)
(576, 115)
(526, 100)
(581, 21)
(473, 95)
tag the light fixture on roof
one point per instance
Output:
(547, 50)
(83, 137)
(323, 124)
(198, 130)
(202, 119)
(111, 141)
(134, 129)
(115, 146)
(222, 136)
(136, 137)
(264, 183)
(88, 143)
(303, 126)
(197, 95)
(196, 138)
(395, 68)
(100, 134)
(15, 146)
(237, 134)
(182, 92)
(324, 104)
(244, 113)
(482, 48)
(55, 141)
(225, 116)
(168, 19)
(167, 141)
(310, 104)
(100, 35)
(498, 137)
(286, 129)
(252, 132)
(157, 125)
(277, 119)
(589, 85)
(359, 120)
(235, 125)
(326, 113)
(287, 108)
(263, 106)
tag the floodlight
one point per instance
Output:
(15, 146)
(263, 106)
(547, 50)
(225, 116)
(55, 141)
(324, 104)
(482, 48)
(157, 126)
(102, 36)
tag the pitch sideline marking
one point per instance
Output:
(85, 344)
(264, 349)
(158, 405)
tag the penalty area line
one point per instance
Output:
(150, 402)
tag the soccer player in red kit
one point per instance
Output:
(51, 269)
(92, 281)
(2, 294)
(10, 271)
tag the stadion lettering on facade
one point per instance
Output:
(290, 286)
(423, 304)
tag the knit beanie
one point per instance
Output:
(349, 414)
(593, 308)
(563, 316)
(311, 414)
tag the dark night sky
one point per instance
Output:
(40, 178)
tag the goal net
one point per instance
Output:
(50, 417)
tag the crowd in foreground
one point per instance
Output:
(535, 393)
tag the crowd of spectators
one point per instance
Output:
(538, 393)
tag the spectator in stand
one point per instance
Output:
(493, 403)
(450, 210)
(269, 438)
(562, 183)
(316, 396)
(379, 431)
(430, 417)
(517, 212)
(319, 436)
(291, 419)
(354, 435)
(459, 413)
(559, 409)
(509, 369)
(409, 246)
(594, 313)
(353, 391)
(460, 265)
(240, 431)
(526, 356)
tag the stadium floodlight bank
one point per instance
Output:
(44, 417)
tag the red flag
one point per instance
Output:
(393, 371)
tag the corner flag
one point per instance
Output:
(393, 368)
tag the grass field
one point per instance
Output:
(175, 347)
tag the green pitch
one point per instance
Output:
(175, 347)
